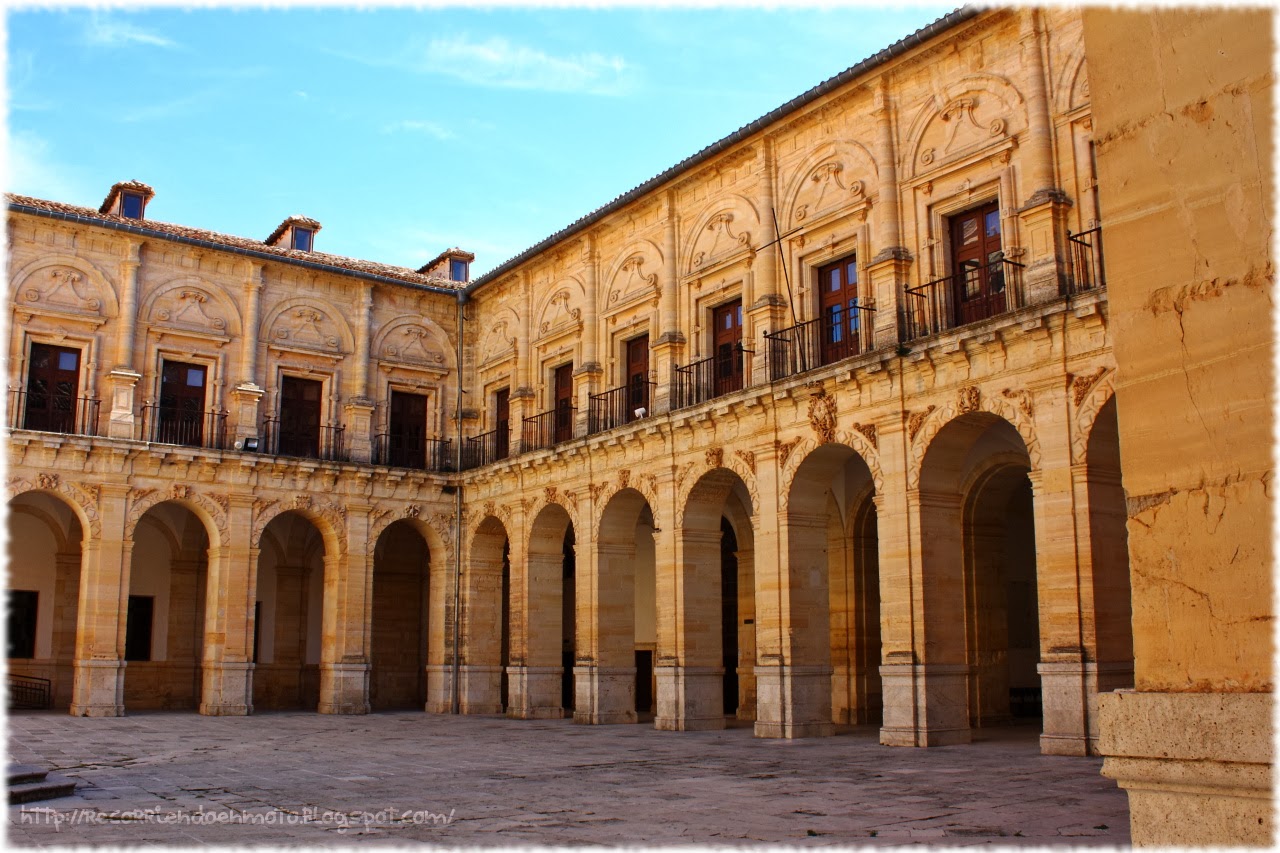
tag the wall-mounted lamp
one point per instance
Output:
(249, 444)
(641, 412)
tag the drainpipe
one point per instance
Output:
(457, 520)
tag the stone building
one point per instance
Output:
(817, 427)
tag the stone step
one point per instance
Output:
(28, 784)
(20, 773)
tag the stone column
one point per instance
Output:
(524, 400)
(358, 409)
(65, 610)
(890, 267)
(605, 677)
(534, 676)
(765, 309)
(690, 670)
(480, 675)
(344, 654)
(746, 634)
(123, 378)
(247, 394)
(589, 373)
(227, 659)
(669, 347)
(104, 606)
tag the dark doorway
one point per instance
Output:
(729, 614)
(53, 381)
(407, 430)
(300, 417)
(637, 377)
(505, 658)
(644, 682)
(727, 321)
(976, 262)
(181, 416)
(502, 416)
(564, 403)
(138, 625)
(23, 604)
(568, 623)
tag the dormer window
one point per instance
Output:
(296, 232)
(132, 205)
(302, 239)
(128, 199)
(453, 264)
(458, 269)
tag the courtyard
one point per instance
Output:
(401, 778)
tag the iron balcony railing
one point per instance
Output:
(486, 448)
(547, 428)
(29, 693)
(305, 442)
(713, 376)
(619, 406)
(421, 454)
(832, 337)
(970, 294)
(171, 425)
(1087, 269)
(48, 412)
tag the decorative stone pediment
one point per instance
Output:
(725, 233)
(417, 343)
(559, 315)
(968, 116)
(303, 325)
(634, 278)
(499, 342)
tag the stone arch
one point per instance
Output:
(416, 340)
(1090, 394)
(381, 518)
(82, 500)
(1072, 87)
(330, 520)
(933, 419)
(211, 512)
(225, 321)
(800, 449)
(25, 291)
(734, 224)
(643, 485)
(404, 610)
(854, 170)
(965, 100)
(741, 463)
(316, 326)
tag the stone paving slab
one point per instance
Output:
(289, 779)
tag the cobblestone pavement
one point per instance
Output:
(301, 778)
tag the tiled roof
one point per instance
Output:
(240, 245)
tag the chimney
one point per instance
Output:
(296, 232)
(128, 199)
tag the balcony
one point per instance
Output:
(420, 454)
(171, 425)
(619, 406)
(304, 442)
(549, 428)
(51, 412)
(1087, 271)
(971, 294)
(486, 448)
(713, 376)
(830, 338)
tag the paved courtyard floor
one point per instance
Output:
(402, 778)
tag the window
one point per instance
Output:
(407, 431)
(131, 205)
(180, 416)
(502, 423)
(977, 266)
(564, 403)
(458, 270)
(840, 319)
(637, 378)
(137, 631)
(727, 321)
(53, 382)
(299, 423)
(22, 623)
(302, 239)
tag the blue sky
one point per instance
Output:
(404, 131)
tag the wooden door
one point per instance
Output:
(838, 313)
(299, 417)
(407, 430)
(180, 419)
(502, 426)
(637, 377)
(53, 385)
(977, 274)
(564, 402)
(727, 320)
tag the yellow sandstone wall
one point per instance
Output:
(1183, 117)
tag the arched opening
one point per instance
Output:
(833, 562)
(289, 613)
(1109, 548)
(715, 620)
(981, 622)
(399, 620)
(626, 626)
(43, 599)
(486, 614)
(542, 647)
(164, 627)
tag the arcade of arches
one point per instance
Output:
(976, 586)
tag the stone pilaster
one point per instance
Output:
(104, 598)
(344, 653)
(227, 665)
(121, 385)
(358, 432)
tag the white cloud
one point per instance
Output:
(429, 128)
(30, 169)
(500, 64)
(105, 32)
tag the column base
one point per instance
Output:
(534, 692)
(604, 695)
(690, 698)
(479, 689)
(439, 688)
(925, 704)
(227, 689)
(1069, 695)
(1197, 766)
(99, 689)
(793, 701)
(344, 688)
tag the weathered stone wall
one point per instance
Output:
(1184, 119)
